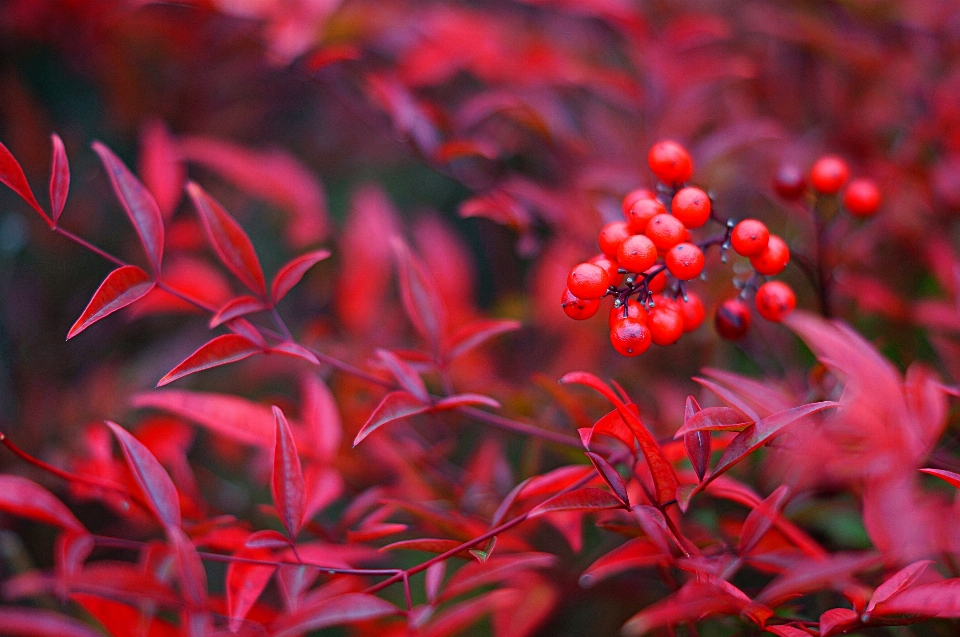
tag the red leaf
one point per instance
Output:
(228, 239)
(289, 492)
(939, 599)
(290, 274)
(25, 498)
(809, 575)
(428, 545)
(235, 308)
(72, 550)
(12, 175)
(36, 622)
(691, 603)
(697, 445)
(404, 374)
(587, 499)
(59, 178)
(245, 581)
(838, 620)
(535, 602)
(636, 553)
(897, 582)
(728, 397)
(496, 569)
(193, 578)
(949, 476)
(243, 327)
(465, 400)
(321, 417)
(612, 425)
(787, 631)
(453, 621)
(478, 332)
(227, 348)
(122, 287)
(419, 294)
(664, 477)
(150, 476)
(433, 580)
(715, 419)
(610, 475)
(161, 166)
(761, 519)
(342, 609)
(137, 202)
(369, 532)
(296, 350)
(394, 406)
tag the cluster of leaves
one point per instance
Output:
(478, 496)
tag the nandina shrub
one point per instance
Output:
(313, 264)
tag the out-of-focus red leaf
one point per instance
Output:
(242, 327)
(897, 583)
(948, 476)
(465, 400)
(404, 374)
(334, 611)
(586, 499)
(330, 54)
(535, 602)
(321, 417)
(291, 273)
(654, 524)
(927, 401)
(838, 620)
(59, 178)
(367, 533)
(636, 553)
(664, 477)
(137, 202)
(692, 602)
(155, 483)
(37, 622)
(478, 332)
(500, 207)
(236, 307)
(496, 569)
(715, 419)
(433, 580)
(122, 287)
(191, 277)
(938, 599)
(245, 581)
(394, 406)
(72, 550)
(12, 175)
(419, 295)
(809, 575)
(761, 519)
(117, 617)
(787, 631)
(161, 166)
(294, 349)
(454, 620)
(728, 397)
(289, 492)
(428, 545)
(409, 117)
(268, 539)
(554, 481)
(193, 578)
(610, 475)
(221, 350)
(25, 498)
(230, 242)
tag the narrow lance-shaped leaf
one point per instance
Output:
(193, 578)
(948, 476)
(289, 492)
(227, 348)
(476, 333)
(394, 406)
(610, 476)
(123, 286)
(59, 178)
(342, 609)
(230, 242)
(150, 476)
(27, 499)
(245, 582)
(761, 519)
(290, 274)
(404, 374)
(587, 499)
(235, 308)
(137, 202)
(897, 582)
(938, 599)
(696, 443)
(419, 295)
(12, 175)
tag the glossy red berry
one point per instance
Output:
(861, 198)
(774, 300)
(666, 323)
(670, 162)
(634, 196)
(611, 236)
(692, 311)
(691, 206)
(828, 174)
(630, 337)
(788, 181)
(588, 281)
(576, 308)
(641, 212)
(773, 259)
(637, 253)
(684, 261)
(610, 266)
(749, 238)
(666, 231)
(630, 309)
(732, 319)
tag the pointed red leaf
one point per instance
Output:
(697, 445)
(289, 492)
(786, 631)
(12, 175)
(535, 602)
(636, 553)
(496, 569)
(160, 166)
(664, 477)
(715, 419)
(761, 519)
(228, 239)
(248, 330)
(404, 374)
(289, 348)
(193, 578)
(153, 480)
(427, 545)
(123, 286)
(465, 400)
(27, 499)
(394, 406)
(290, 274)
(137, 202)
(729, 397)
(333, 611)
(814, 574)
(245, 581)
(321, 417)
(227, 348)
(897, 582)
(433, 580)
(610, 475)
(59, 178)
(838, 620)
(939, 599)
(419, 294)
(691, 603)
(453, 621)
(477, 333)
(36, 622)
(72, 550)
(586, 499)
(611, 424)
(236, 307)
(949, 476)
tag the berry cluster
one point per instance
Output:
(647, 259)
(828, 176)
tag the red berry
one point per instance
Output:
(610, 267)
(691, 206)
(631, 309)
(685, 261)
(641, 212)
(579, 309)
(861, 198)
(670, 162)
(637, 253)
(658, 282)
(828, 174)
(666, 322)
(773, 259)
(732, 319)
(634, 196)
(749, 238)
(588, 281)
(788, 181)
(692, 311)
(630, 337)
(611, 236)
(774, 300)
(666, 231)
